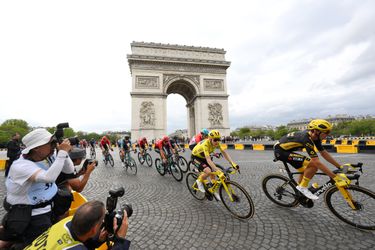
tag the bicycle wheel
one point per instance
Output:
(193, 167)
(280, 190)
(183, 164)
(110, 160)
(132, 166)
(241, 205)
(176, 171)
(192, 186)
(141, 159)
(148, 159)
(159, 167)
(364, 200)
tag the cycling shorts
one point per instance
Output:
(202, 163)
(298, 161)
(105, 146)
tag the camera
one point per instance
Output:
(59, 134)
(111, 207)
(89, 161)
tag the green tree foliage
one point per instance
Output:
(9, 127)
(262, 133)
(357, 128)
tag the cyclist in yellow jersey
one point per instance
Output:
(284, 150)
(201, 154)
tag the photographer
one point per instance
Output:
(78, 232)
(31, 186)
(70, 180)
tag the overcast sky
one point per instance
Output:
(66, 60)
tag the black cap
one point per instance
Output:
(77, 153)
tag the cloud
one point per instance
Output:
(289, 59)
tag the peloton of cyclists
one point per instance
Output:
(201, 155)
(317, 130)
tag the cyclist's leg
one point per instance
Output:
(122, 154)
(203, 168)
(296, 160)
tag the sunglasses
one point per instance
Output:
(216, 139)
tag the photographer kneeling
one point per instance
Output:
(31, 187)
(70, 180)
(79, 231)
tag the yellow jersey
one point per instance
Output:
(205, 148)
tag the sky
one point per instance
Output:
(66, 61)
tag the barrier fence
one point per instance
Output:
(337, 146)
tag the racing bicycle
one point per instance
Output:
(352, 204)
(234, 197)
(145, 157)
(129, 163)
(108, 158)
(181, 161)
(169, 167)
(92, 153)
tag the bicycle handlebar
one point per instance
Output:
(346, 169)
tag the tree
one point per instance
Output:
(12, 126)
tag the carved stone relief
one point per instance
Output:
(171, 77)
(179, 68)
(213, 84)
(179, 53)
(147, 115)
(215, 115)
(147, 82)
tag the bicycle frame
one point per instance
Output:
(221, 181)
(217, 183)
(331, 183)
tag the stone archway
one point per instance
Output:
(198, 74)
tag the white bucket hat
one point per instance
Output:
(35, 138)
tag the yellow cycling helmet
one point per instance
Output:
(321, 125)
(214, 134)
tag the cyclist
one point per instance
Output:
(175, 145)
(92, 143)
(105, 145)
(317, 130)
(142, 144)
(201, 154)
(163, 147)
(125, 149)
(197, 138)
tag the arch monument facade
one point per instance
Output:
(196, 73)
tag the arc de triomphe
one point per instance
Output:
(196, 73)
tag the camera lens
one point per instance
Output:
(128, 208)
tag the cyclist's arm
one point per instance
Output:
(327, 156)
(227, 156)
(211, 163)
(322, 167)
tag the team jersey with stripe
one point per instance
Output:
(301, 139)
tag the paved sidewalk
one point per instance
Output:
(166, 216)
